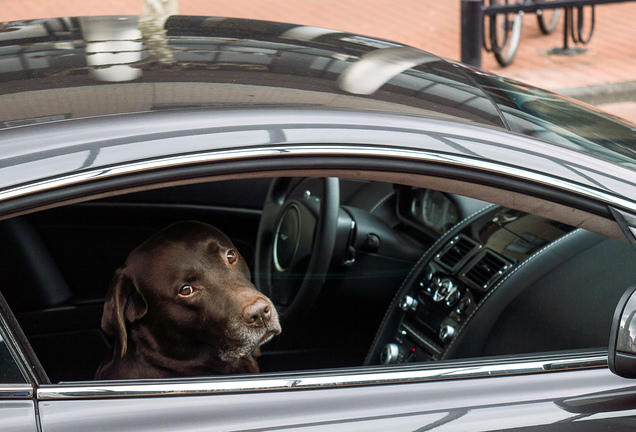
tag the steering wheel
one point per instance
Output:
(296, 238)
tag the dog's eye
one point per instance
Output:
(232, 256)
(186, 290)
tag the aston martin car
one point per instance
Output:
(447, 249)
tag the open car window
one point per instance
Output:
(416, 274)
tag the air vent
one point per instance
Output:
(482, 272)
(456, 251)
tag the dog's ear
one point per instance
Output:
(123, 303)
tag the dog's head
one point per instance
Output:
(189, 286)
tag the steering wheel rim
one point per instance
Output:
(275, 209)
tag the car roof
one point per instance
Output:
(56, 69)
(80, 97)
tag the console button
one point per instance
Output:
(426, 288)
(453, 297)
(446, 333)
(429, 283)
(463, 305)
(444, 287)
(390, 354)
(409, 304)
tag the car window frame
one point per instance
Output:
(217, 164)
(22, 355)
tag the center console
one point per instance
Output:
(453, 278)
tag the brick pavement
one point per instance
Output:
(432, 25)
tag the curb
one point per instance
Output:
(602, 93)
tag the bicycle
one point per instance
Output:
(504, 29)
(548, 19)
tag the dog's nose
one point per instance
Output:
(258, 313)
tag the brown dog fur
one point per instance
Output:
(183, 305)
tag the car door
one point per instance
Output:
(542, 390)
(552, 393)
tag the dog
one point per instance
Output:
(183, 305)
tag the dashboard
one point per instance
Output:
(457, 273)
(433, 212)
(433, 209)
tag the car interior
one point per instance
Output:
(413, 272)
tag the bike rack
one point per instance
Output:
(474, 12)
(576, 34)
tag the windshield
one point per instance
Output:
(551, 117)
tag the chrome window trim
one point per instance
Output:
(410, 373)
(311, 150)
(16, 391)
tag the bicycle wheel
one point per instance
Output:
(505, 33)
(548, 19)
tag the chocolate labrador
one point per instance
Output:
(183, 305)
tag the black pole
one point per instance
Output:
(472, 30)
(567, 24)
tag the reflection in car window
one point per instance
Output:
(9, 372)
(539, 113)
(440, 86)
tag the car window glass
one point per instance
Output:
(415, 275)
(9, 371)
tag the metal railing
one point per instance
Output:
(496, 26)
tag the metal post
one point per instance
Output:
(567, 23)
(472, 30)
(568, 29)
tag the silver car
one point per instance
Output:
(461, 258)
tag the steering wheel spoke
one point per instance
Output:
(295, 244)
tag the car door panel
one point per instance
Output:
(534, 401)
(17, 415)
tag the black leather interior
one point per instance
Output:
(562, 298)
(29, 277)
(57, 328)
